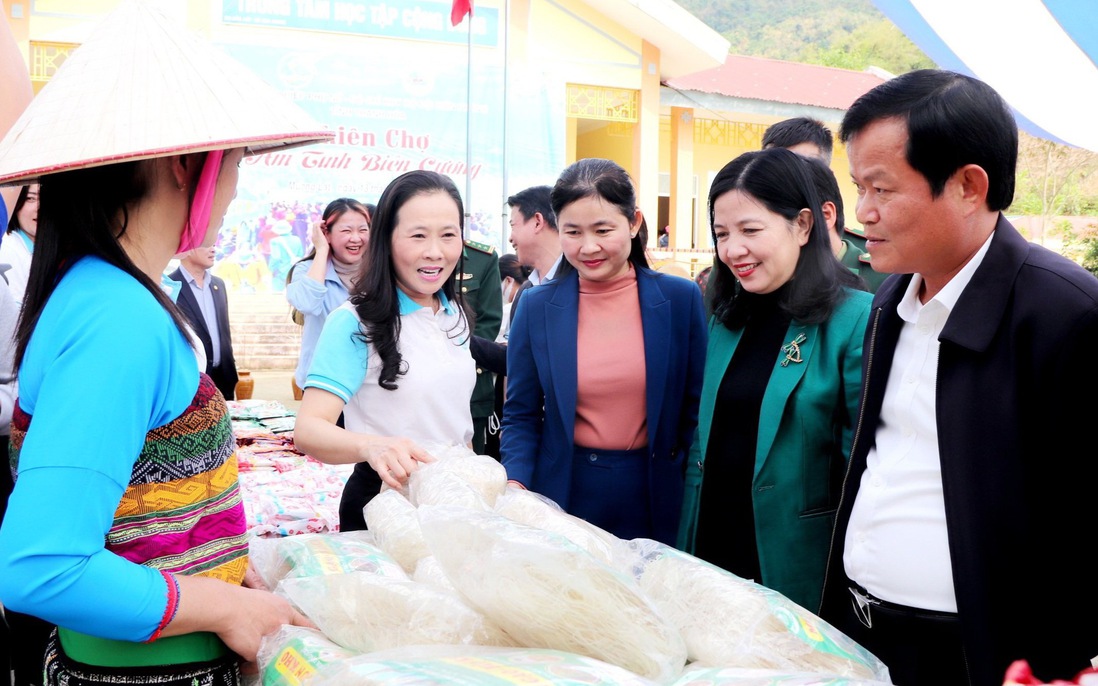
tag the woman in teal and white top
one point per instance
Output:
(394, 360)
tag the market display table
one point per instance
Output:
(284, 491)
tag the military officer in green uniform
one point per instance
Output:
(855, 236)
(480, 286)
(857, 261)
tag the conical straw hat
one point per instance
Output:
(143, 87)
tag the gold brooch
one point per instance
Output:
(792, 350)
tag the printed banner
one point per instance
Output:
(417, 20)
(393, 107)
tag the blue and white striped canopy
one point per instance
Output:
(1039, 54)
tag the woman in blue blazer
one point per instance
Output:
(604, 368)
(782, 376)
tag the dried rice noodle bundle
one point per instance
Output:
(293, 655)
(430, 572)
(474, 666)
(365, 612)
(546, 592)
(458, 477)
(317, 554)
(699, 675)
(392, 519)
(532, 509)
(731, 622)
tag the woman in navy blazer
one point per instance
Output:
(639, 338)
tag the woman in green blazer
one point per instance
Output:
(782, 374)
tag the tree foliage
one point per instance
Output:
(850, 34)
(1081, 245)
(1054, 180)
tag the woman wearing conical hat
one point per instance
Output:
(126, 527)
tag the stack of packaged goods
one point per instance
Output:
(463, 580)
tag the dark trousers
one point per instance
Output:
(919, 646)
(361, 487)
(23, 638)
(610, 490)
(225, 380)
(480, 434)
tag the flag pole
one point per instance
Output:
(506, 109)
(468, 119)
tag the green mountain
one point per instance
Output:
(851, 34)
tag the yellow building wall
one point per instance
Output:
(720, 137)
(572, 43)
(611, 142)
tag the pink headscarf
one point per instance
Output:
(199, 220)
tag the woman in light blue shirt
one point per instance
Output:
(18, 244)
(320, 282)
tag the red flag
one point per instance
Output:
(459, 10)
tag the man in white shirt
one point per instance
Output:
(537, 245)
(534, 233)
(203, 300)
(968, 493)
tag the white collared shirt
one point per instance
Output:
(537, 279)
(203, 295)
(897, 544)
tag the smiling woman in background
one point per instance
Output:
(18, 245)
(604, 368)
(321, 281)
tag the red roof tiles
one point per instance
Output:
(760, 78)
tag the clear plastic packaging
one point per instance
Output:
(547, 592)
(293, 655)
(391, 518)
(533, 509)
(318, 554)
(727, 621)
(474, 666)
(366, 612)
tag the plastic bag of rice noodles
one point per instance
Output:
(458, 477)
(366, 612)
(533, 509)
(391, 518)
(547, 592)
(696, 675)
(474, 666)
(317, 554)
(430, 572)
(731, 622)
(293, 655)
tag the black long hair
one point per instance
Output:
(593, 177)
(374, 296)
(13, 223)
(85, 212)
(952, 120)
(781, 181)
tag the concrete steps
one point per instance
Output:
(264, 338)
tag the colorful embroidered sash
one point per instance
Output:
(181, 512)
